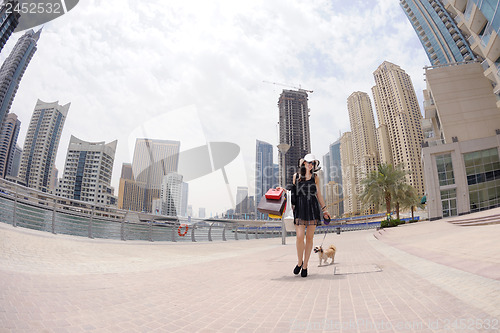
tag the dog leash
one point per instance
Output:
(323, 240)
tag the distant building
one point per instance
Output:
(16, 163)
(351, 206)
(264, 170)
(201, 213)
(242, 200)
(335, 171)
(153, 160)
(364, 143)
(171, 194)
(184, 199)
(41, 144)
(13, 68)
(294, 130)
(8, 142)
(87, 172)
(461, 141)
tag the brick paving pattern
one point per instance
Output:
(414, 278)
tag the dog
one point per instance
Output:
(325, 254)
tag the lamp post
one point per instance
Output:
(283, 148)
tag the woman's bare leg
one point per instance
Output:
(300, 231)
(309, 244)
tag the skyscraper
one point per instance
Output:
(171, 194)
(41, 143)
(264, 170)
(364, 139)
(9, 19)
(13, 69)
(294, 130)
(153, 159)
(349, 180)
(87, 172)
(242, 200)
(335, 171)
(438, 32)
(8, 142)
(400, 122)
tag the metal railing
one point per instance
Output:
(28, 208)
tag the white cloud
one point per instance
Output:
(121, 64)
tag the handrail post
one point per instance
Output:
(150, 230)
(122, 229)
(224, 232)
(246, 233)
(14, 213)
(257, 233)
(173, 231)
(210, 232)
(236, 232)
(54, 217)
(91, 222)
(192, 232)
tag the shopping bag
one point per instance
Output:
(288, 215)
(271, 206)
(274, 193)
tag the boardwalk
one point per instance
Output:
(423, 277)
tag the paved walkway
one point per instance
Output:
(411, 279)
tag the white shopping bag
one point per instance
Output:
(288, 214)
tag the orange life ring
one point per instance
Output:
(182, 234)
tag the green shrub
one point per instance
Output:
(390, 223)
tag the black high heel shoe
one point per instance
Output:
(304, 272)
(297, 269)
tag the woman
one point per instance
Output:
(308, 210)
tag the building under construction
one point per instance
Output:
(294, 129)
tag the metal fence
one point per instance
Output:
(27, 208)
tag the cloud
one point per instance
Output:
(121, 64)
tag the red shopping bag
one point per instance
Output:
(274, 193)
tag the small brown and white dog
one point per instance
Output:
(325, 254)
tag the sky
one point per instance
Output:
(194, 71)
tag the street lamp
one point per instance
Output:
(283, 149)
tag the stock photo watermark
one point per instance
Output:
(468, 324)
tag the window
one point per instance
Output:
(482, 169)
(445, 170)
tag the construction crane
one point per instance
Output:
(289, 86)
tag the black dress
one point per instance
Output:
(307, 210)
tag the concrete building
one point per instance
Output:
(364, 141)
(8, 142)
(41, 144)
(9, 19)
(184, 199)
(171, 194)
(294, 130)
(16, 163)
(462, 141)
(242, 201)
(264, 171)
(87, 172)
(400, 122)
(438, 32)
(13, 68)
(473, 26)
(349, 177)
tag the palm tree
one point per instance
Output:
(408, 198)
(379, 186)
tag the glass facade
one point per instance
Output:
(445, 170)
(437, 31)
(483, 179)
(449, 202)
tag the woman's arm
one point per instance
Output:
(320, 197)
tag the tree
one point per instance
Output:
(380, 185)
(408, 198)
